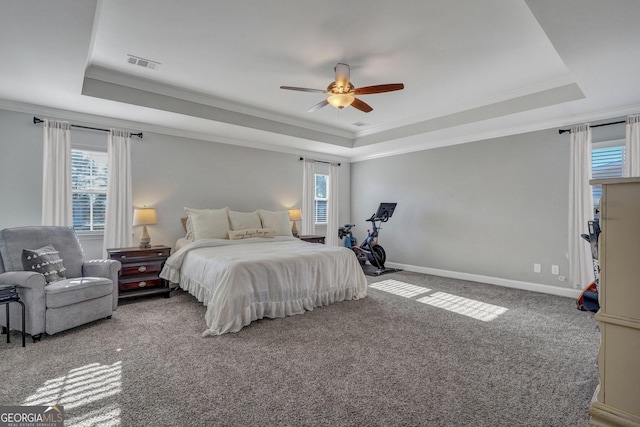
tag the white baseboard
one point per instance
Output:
(507, 283)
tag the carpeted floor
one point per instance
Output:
(387, 360)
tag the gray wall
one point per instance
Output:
(20, 170)
(169, 173)
(490, 208)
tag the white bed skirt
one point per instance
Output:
(240, 282)
(261, 310)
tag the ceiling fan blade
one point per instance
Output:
(342, 75)
(362, 106)
(303, 89)
(318, 106)
(367, 90)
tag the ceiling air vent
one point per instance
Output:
(142, 62)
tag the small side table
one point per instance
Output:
(9, 294)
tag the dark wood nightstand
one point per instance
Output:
(141, 267)
(312, 239)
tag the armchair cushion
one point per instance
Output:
(71, 291)
(45, 261)
(108, 268)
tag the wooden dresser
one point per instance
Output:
(617, 399)
(140, 272)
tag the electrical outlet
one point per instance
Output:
(555, 269)
(537, 268)
(562, 278)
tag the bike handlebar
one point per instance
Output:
(373, 218)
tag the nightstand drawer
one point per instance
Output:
(139, 283)
(141, 268)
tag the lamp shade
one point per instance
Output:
(144, 216)
(295, 214)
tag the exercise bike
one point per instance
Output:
(369, 249)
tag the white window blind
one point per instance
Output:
(607, 162)
(320, 200)
(89, 189)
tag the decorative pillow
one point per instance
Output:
(244, 220)
(186, 224)
(45, 261)
(251, 232)
(208, 223)
(278, 220)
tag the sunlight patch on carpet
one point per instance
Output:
(402, 289)
(89, 384)
(467, 307)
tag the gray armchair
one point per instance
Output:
(89, 292)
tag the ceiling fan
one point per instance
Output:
(342, 92)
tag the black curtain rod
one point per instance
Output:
(321, 161)
(561, 131)
(37, 120)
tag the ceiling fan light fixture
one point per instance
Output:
(342, 93)
(341, 100)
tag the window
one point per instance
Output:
(89, 189)
(607, 161)
(320, 199)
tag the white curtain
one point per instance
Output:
(332, 206)
(118, 221)
(56, 177)
(308, 196)
(632, 146)
(580, 207)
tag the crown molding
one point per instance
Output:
(377, 152)
(513, 130)
(95, 121)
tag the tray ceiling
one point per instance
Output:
(471, 69)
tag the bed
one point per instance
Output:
(242, 280)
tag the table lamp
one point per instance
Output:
(295, 215)
(144, 217)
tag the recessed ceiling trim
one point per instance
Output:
(546, 98)
(121, 79)
(503, 97)
(128, 95)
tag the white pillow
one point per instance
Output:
(186, 224)
(244, 220)
(251, 232)
(278, 220)
(209, 223)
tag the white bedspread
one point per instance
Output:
(243, 280)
